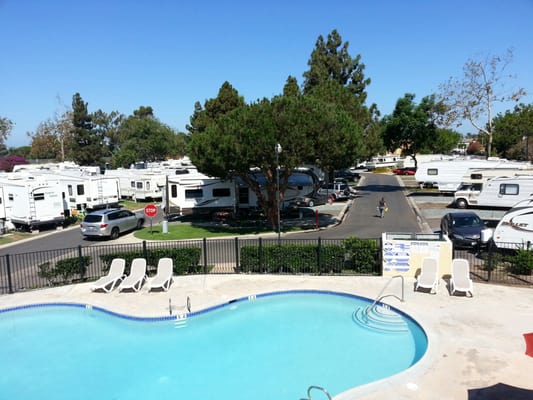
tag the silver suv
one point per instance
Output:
(110, 223)
(339, 191)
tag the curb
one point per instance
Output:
(424, 226)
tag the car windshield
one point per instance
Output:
(467, 221)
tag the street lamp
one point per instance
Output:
(526, 150)
(278, 150)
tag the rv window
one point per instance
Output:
(81, 189)
(10, 197)
(194, 193)
(174, 191)
(70, 190)
(139, 185)
(132, 184)
(433, 171)
(509, 189)
(476, 176)
(38, 196)
(477, 186)
(221, 192)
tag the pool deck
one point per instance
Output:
(473, 342)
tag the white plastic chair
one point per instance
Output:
(429, 275)
(113, 278)
(135, 280)
(460, 279)
(163, 278)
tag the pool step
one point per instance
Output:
(181, 321)
(380, 318)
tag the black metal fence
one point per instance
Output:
(25, 271)
(510, 263)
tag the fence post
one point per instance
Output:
(236, 253)
(204, 244)
(145, 252)
(490, 261)
(260, 253)
(9, 281)
(319, 255)
(80, 263)
(380, 256)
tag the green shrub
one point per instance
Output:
(66, 269)
(292, 259)
(362, 255)
(186, 260)
(521, 263)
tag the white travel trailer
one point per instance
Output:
(138, 184)
(384, 161)
(199, 193)
(476, 180)
(448, 175)
(515, 229)
(29, 204)
(81, 189)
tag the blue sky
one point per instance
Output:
(168, 54)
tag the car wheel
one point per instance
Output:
(140, 224)
(311, 203)
(461, 203)
(114, 233)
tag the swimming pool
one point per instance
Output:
(271, 346)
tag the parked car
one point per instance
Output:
(465, 229)
(339, 191)
(347, 174)
(110, 223)
(404, 171)
(309, 201)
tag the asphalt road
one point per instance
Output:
(361, 219)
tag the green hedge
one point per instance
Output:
(186, 260)
(65, 269)
(359, 255)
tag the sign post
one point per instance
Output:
(150, 211)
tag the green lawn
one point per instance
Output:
(188, 231)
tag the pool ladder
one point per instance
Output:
(379, 316)
(311, 388)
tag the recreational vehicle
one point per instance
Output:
(30, 204)
(81, 189)
(469, 191)
(385, 161)
(515, 229)
(447, 175)
(138, 184)
(199, 193)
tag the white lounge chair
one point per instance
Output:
(163, 278)
(137, 277)
(113, 278)
(429, 275)
(460, 280)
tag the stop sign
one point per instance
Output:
(150, 210)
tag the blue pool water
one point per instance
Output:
(271, 347)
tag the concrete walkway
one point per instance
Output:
(473, 342)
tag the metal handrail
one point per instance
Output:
(317, 388)
(381, 296)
